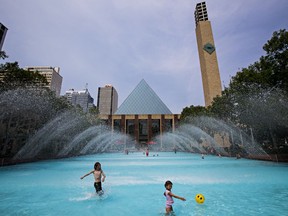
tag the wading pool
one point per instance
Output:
(135, 184)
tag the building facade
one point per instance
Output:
(3, 31)
(80, 98)
(107, 101)
(143, 128)
(142, 116)
(52, 75)
(207, 54)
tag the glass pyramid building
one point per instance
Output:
(142, 100)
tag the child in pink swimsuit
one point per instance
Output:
(169, 196)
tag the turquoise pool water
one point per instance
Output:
(135, 186)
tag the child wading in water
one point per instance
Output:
(169, 197)
(98, 176)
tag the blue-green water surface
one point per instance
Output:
(135, 186)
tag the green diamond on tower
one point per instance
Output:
(209, 48)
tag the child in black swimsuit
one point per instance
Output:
(99, 176)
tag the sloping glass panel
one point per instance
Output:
(143, 100)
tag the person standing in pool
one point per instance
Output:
(99, 176)
(169, 197)
(147, 152)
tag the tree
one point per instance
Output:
(3, 55)
(257, 95)
(15, 77)
(276, 60)
(193, 111)
(271, 70)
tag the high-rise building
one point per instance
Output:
(52, 75)
(207, 54)
(107, 102)
(80, 98)
(3, 31)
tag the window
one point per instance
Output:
(117, 125)
(130, 127)
(155, 127)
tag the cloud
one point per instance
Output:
(122, 41)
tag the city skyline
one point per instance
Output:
(122, 42)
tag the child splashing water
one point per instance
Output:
(99, 176)
(169, 197)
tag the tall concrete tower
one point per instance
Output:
(207, 54)
(3, 31)
(107, 101)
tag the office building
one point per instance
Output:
(52, 75)
(207, 54)
(3, 31)
(81, 99)
(107, 102)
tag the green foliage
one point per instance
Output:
(92, 116)
(193, 111)
(15, 77)
(58, 103)
(277, 59)
(271, 70)
(222, 106)
(94, 111)
(26, 105)
(257, 95)
(3, 55)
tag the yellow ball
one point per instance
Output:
(200, 198)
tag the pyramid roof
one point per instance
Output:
(142, 100)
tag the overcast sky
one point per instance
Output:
(120, 42)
